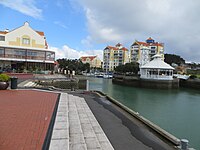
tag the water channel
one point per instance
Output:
(176, 110)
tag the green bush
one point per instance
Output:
(4, 78)
(193, 77)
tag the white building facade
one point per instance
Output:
(156, 69)
(142, 52)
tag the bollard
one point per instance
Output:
(87, 85)
(184, 144)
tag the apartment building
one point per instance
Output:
(94, 61)
(114, 56)
(24, 48)
(142, 52)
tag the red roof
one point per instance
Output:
(148, 44)
(40, 33)
(84, 58)
(3, 32)
(124, 49)
(111, 47)
(143, 43)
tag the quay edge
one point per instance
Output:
(166, 135)
(146, 83)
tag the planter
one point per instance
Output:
(3, 85)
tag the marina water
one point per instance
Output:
(176, 110)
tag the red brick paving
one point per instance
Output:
(24, 118)
(21, 75)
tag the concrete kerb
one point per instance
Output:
(153, 126)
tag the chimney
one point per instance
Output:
(6, 30)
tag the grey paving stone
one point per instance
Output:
(77, 147)
(106, 146)
(97, 129)
(86, 127)
(92, 143)
(75, 129)
(85, 120)
(101, 137)
(61, 144)
(62, 113)
(82, 115)
(61, 125)
(77, 138)
(60, 134)
(76, 124)
(61, 119)
(62, 108)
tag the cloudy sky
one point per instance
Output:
(85, 27)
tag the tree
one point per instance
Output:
(171, 58)
(74, 64)
(131, 68)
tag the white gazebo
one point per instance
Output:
(156, 69)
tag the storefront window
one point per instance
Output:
(50, 55)
(1, 52)
(9, 53)
(37, 55)
(20, 53)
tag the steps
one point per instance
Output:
(76, 128)
(29, 84)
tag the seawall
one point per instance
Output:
(190, 83)
(171, 138)
(137, 82)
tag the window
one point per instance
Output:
(2, 38)
(31, 53)
(37, 55)
(26, 41)
(20, 52)
(1, 52)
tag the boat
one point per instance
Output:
(107, 76)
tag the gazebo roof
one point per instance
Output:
(157, 63)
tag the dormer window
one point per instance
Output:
(2, 38)
(26, 41)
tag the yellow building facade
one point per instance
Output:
(94, 61)
(114, 56)
(25, 49)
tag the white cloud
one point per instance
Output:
(26, 7)
(70, 53)
(175, 23)
(60, 24)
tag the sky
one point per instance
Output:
(75, 28)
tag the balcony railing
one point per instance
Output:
(25, 57)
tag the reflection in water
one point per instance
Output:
(175, 110)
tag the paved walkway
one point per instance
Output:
(24, 118)
(76, 128)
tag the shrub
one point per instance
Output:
(193, 77)
(4, 78)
